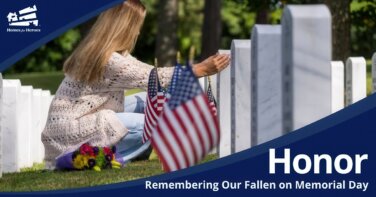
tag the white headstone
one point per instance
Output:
(224, 108)
(241, 95)
(45, 106)
(10, 125)
(356, 80)
(213, 83)
(266, 83)
(202, 83)
(306, 58)
(338, 86)
(37, 126)
(26, 126)
(1, 135)
(374, 73)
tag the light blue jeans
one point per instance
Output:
(131, 146)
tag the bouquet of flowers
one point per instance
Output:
(90, 158)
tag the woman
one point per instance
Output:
(89, 105)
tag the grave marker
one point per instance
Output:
(45, 106)
(10, 126)
(306, 58)
(374, 73)
(240, 95)
(37, 128)
(266, 83)
(1, 135)
(25, 116)
(338, 86)
(224, 108)
(356, 80)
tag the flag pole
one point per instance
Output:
(156, 67)
(178, 57)
(156, 63)
(192, 54)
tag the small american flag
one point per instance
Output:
(175, 78)
(154, 104)
(212, 102)
(187, 129)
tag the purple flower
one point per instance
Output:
(96, 150)
(109, 157)
(114, 149)
(91, 163)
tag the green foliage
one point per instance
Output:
(363, 31)
(145, 48)
(35, 179)
(191, 19)
(50, 57)
(237, 21)
(46, 81)
(238, 18)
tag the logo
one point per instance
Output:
(25, 20)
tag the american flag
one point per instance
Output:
(212, 102)
(175, 78)
(154, 104)
(187, 129)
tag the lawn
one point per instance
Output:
(35, 179)
(40, 180)
(51, 81)
(46, 81)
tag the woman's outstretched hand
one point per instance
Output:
(212, 65)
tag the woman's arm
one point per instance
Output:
(212, 65)
(131, 73)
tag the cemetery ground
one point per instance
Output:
(51, 81)
(37, 179)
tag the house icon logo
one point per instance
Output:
(25, 20)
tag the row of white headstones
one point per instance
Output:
(279, 81)
(283, 79)
(24, 112)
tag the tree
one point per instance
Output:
(341, 26)
(166, 46)
(363, 37)
(212, 28)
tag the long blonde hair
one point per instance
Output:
(116, 30)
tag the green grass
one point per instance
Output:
(45, 81)
(40, 180)
(369, 77)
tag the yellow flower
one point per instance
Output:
(80, 162)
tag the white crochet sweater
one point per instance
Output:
(80, 113)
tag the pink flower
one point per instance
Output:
(107, 151)
(86, 149)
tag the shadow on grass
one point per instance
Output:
(35, 179)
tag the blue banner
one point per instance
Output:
(331, 157)
(54, 18)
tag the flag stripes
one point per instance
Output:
(212, 102)
(154, 105)
(179, 137)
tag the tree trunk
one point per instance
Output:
(341, 23)
(85, 27)
(167, 41)
(262, 15)
(212, 28)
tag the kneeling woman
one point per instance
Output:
(89, 105)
